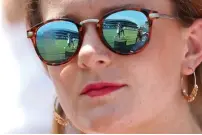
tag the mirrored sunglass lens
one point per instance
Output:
(57, 41)
(126, 31)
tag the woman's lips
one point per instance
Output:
(100, 89)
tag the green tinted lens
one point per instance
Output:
(57, 41)
(126, 31)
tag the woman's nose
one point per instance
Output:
(93, 54)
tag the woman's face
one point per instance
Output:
(151, 78)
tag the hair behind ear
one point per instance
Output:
(57, 128)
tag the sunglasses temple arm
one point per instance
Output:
(164, 16)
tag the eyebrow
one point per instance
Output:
(103, 11)
(108, 9)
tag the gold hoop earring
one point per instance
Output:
(57, 117)
(192, 96)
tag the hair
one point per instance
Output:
(187, 11)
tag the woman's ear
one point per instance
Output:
(193, 51)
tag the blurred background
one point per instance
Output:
(26, 92)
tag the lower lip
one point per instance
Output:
(102, 92)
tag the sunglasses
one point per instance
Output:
(123, 31)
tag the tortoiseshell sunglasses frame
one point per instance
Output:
(150, 14)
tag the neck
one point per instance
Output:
(176, 118)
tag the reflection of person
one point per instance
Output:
(147, 89)
(122, 31)
(118, 31)
(139, 35)
(70, 42)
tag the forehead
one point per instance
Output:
(84, 9)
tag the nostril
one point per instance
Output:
(100, 61)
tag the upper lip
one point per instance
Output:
(99, 86)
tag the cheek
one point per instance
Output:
(55, 75)
(155, 71)
(64, 78)
(168, 52)
(63, 75)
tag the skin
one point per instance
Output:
(151, 101)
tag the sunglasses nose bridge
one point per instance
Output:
(89, 21)
(83, 29)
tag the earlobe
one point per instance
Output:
(193, 54)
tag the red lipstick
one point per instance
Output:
(100, 89)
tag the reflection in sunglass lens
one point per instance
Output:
(57, 41)
(126, 31)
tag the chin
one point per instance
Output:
(107, 114)
(104, 127)
(104, 121)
